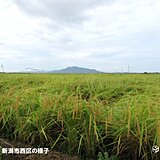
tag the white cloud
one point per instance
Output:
(106, 35)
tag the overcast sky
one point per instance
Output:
(107, 35)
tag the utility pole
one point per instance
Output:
(2, 68)
(128, 68)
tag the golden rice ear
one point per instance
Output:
(83, 114)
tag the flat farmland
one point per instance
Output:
(93, 116)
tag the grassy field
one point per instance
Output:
(84, 115)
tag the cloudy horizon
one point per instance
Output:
(107, 35)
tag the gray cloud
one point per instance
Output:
(63, 11)
(107, 35)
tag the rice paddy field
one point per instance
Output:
(93, 116)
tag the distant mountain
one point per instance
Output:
(76, 69)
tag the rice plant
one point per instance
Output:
(84, 115)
